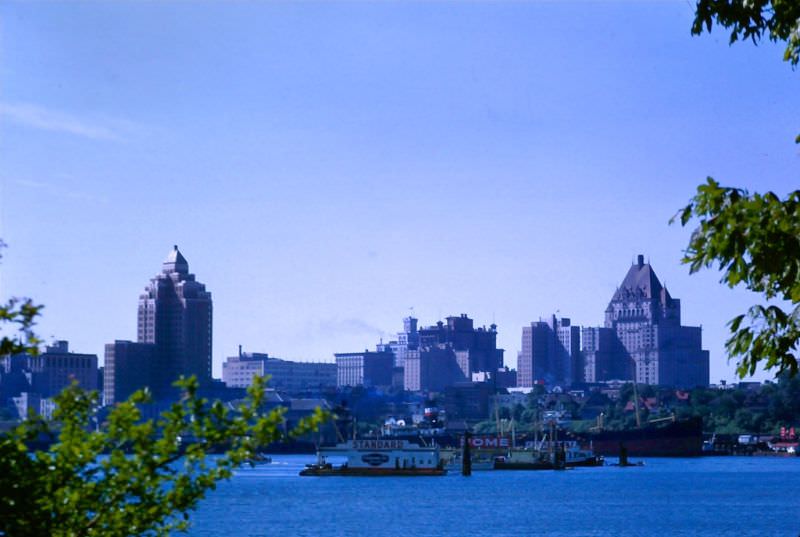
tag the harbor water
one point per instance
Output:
(742, 496)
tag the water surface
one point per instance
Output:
(748, 496)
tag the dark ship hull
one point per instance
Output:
(678, 439)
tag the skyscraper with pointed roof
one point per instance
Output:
(175, 314)
(647, 341)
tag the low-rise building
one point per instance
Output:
(238, 372)
(57, 367)
(43, 376)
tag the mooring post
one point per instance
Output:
(466, 455)
(623, 455)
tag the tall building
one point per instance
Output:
(649, 343)
(434, 368)
(478, 346)
(407, 340)
(175, 314)
(370, 369)
(599, 350)
(128, 367)
(452, 352)
(238, 372)
(551, 353)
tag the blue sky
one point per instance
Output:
(324, 167)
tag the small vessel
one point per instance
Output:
(575, 456)
(524, 459)
(377, 457)
(549, 456)
(259, 458)
(481, 460)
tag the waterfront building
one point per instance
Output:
(129, 366)
(468, 400)
(551, 353)
(478, 346)
(175, 314)
(48, 373)
(647, 342)
(57, 367)
(238, 372)
(600, 349)
(27, 403)
(433, 368)
(407, 340)
(29, 383)
(506, 378)
(450, 353)
(364, 368)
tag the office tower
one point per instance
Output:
(550, 354)
(370, 369)
(128, 367)
(175, 314)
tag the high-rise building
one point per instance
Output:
(434, 368)
(550, 353)
(460, 334)
(128, 367)
(452, 352)
(648, 342)
(175, 314)
(600, 349)
(407, 340)
(370, 369)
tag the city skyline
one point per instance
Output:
(327, 167)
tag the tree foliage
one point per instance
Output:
(754, 240)
(777, 20)
(135, 477)
(17, 319)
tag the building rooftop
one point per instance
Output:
(641, 282)
(175, 261)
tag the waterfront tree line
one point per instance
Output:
(745, 408)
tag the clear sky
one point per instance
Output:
(326, 166)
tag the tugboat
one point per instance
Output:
(377, 457)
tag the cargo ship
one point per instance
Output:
(377, 457)
(679, 438)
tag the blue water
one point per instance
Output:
(755, 496)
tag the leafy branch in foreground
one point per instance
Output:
(754, 239)
(134, 478)
(778, 20)
(20, 314)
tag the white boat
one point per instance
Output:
(378, 457)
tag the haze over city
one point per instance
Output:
(326, 167)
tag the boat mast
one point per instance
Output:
(636, 395)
